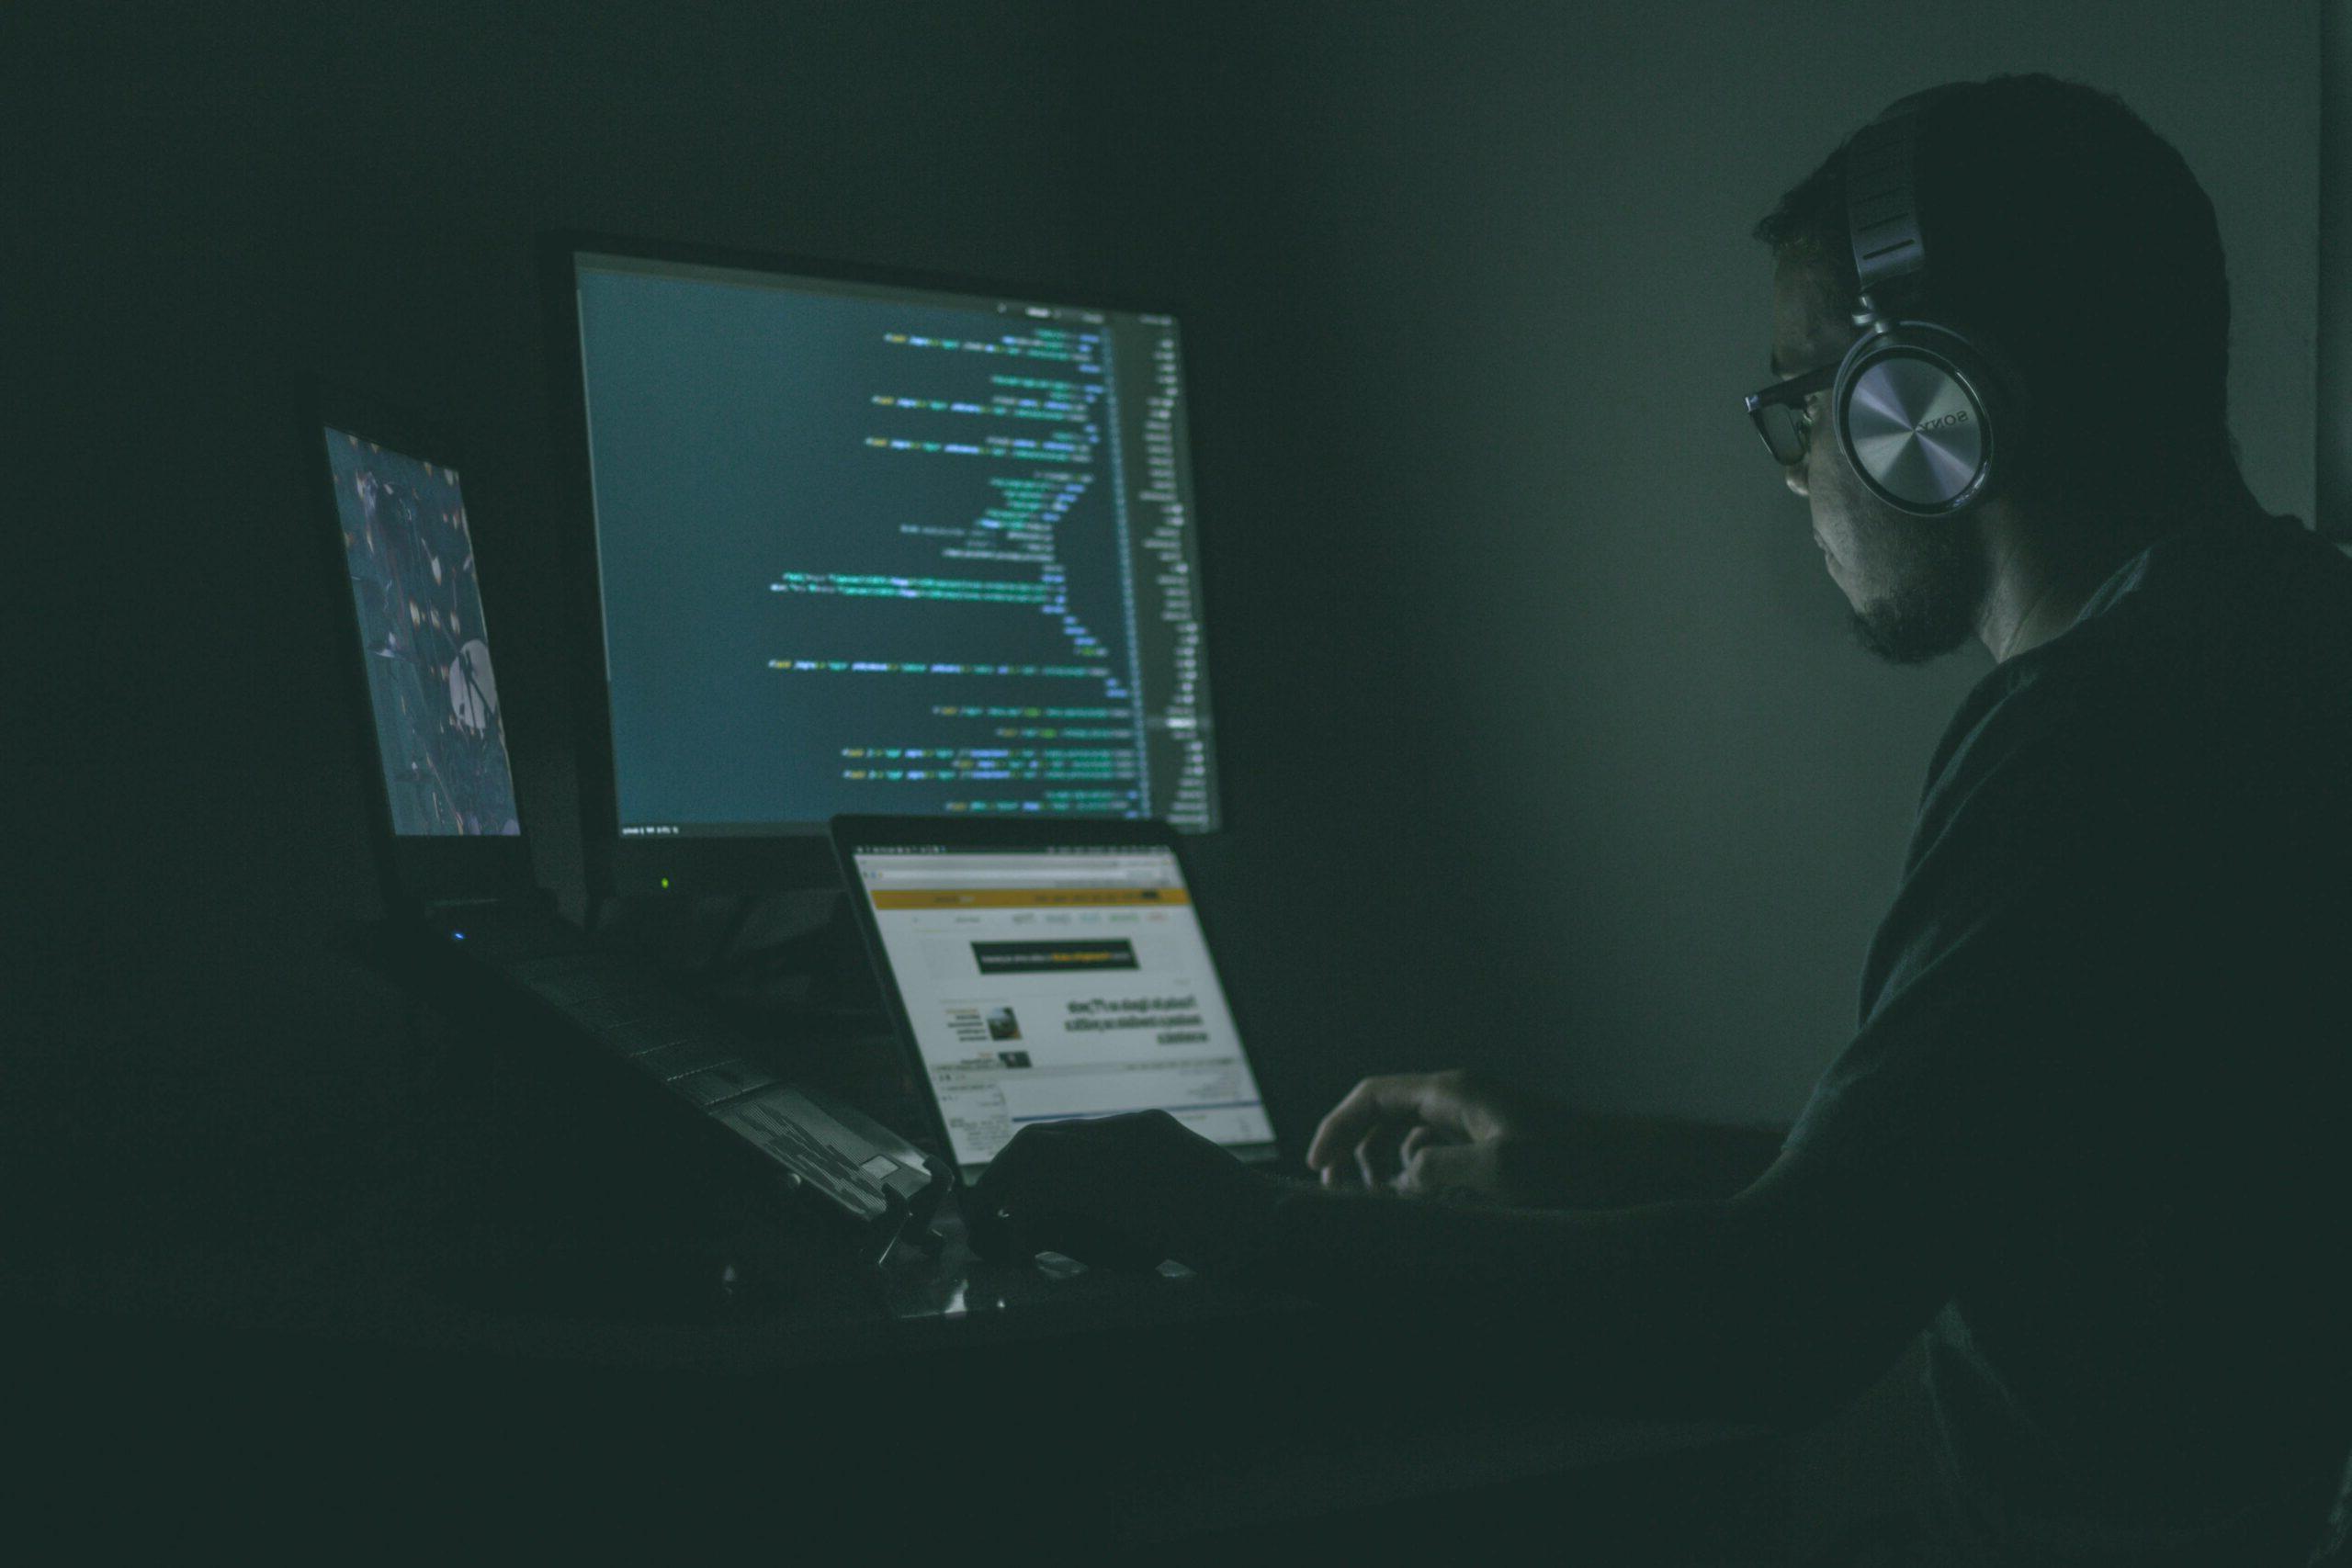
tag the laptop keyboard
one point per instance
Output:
(641, 1020)
(775, 1123)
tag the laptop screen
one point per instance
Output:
(1047, 983)
(439, 735)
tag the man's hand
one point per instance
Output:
(1122, 1191)
(1436, 1134)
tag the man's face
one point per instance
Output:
(1917, 584)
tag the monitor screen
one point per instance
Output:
(439, 735)
(1045, 983)
(865, 548)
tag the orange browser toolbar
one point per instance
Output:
(1029, 897)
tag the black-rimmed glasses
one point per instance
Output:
(1780, 415)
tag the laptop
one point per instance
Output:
(1037, 971)
(455, 864)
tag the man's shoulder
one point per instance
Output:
(2215, 659)
(2230, 582)
(2052, 713)
(2200, 626)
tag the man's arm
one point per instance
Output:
(1767, 1305)
(1610, 1162)
(1773, 1304)
(1462, 1134)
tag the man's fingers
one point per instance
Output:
(1420, 1138)
(1437, 1170)
(1376, 1153)
(1337, 1129)
(1404, 1098)
(1363, 1106)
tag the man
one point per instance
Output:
(2087, 1139)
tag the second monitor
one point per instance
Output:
(868, 545)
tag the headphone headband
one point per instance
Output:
(1881, 200)
(1917, 405)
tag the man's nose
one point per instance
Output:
(1794, 474)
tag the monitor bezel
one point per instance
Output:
(414, 870)
(795, 856)
(851, 833)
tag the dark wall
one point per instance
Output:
(1543, 747)
(209, 205)
(1556, 752)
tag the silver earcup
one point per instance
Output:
(1914, 421)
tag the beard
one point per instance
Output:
(1935, 606)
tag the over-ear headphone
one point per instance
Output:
(1921, 410)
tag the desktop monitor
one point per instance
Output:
(876, 544)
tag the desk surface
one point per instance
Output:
(503, 1256)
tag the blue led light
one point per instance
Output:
(457, 936)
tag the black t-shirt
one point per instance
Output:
(2101, 1073)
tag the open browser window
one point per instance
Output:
(1041, 984)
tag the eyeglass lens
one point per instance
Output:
(1785, 429)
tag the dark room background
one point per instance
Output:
(1544, 748)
